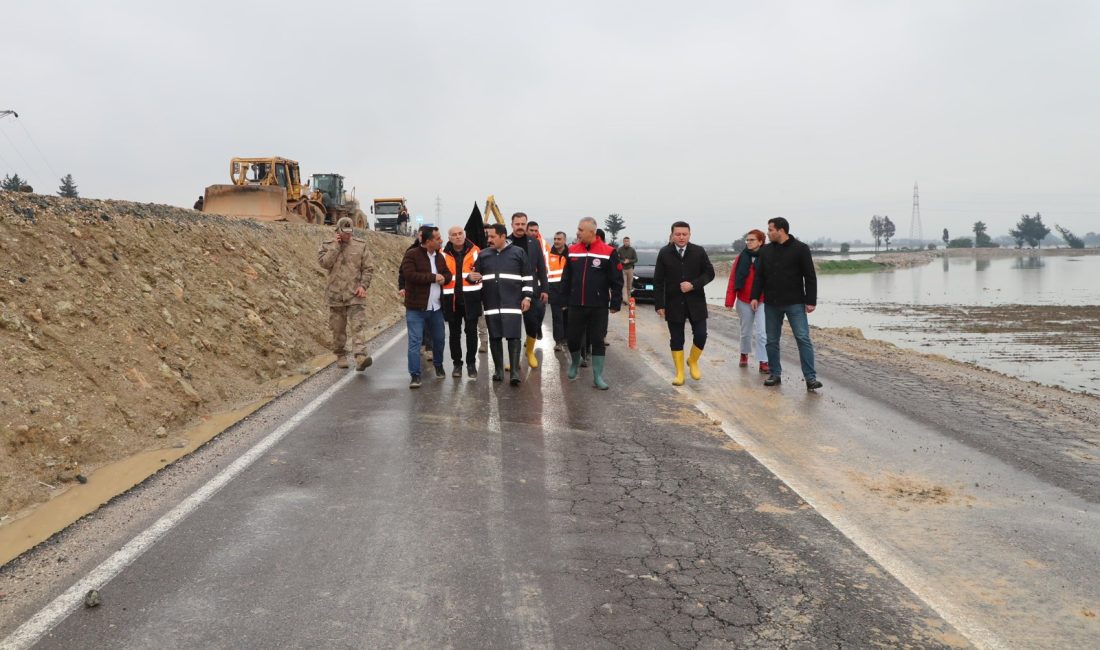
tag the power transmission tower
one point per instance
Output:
(438, 208)
(916, 233)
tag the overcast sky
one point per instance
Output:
(721, 113)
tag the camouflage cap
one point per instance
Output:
(344, 225)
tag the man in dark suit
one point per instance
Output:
(681, 272)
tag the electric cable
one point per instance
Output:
(42, 155)
(21, 156)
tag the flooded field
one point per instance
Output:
(1033, 317)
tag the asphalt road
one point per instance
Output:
(473, 514)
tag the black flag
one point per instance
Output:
(475, 228)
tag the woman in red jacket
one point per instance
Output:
(738, 290)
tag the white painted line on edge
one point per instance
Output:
(902, 571)
(49, 616)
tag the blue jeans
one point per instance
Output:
(800, 325)
(416, 322)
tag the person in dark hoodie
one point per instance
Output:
(536, 260)
(786, 275)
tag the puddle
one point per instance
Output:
(1029, 317)
(35, 525)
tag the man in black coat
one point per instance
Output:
(532, 321)
(681, 272)
(786, 276)
(506, 290)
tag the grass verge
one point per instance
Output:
(849, 266)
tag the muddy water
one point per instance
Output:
(1032, 317)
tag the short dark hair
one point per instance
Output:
(600, 233)
(626, 238)
(679, 224)
(426, 233)
(780, 224)
(532, 223)
(500, 229)
(519, 214)
(562, 233)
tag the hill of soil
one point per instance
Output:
(121, 323)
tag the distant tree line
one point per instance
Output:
(15, 183)
(1029, 231)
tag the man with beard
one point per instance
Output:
(786, 275)
(556, 260)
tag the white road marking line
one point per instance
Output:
(520, 595)
(54, 613)
(904, 572)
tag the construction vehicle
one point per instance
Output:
(491, 208)
(267, 189)
(329, 190)
(391, 215)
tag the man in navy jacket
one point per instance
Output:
(592, 286)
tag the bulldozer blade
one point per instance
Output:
(260, 202)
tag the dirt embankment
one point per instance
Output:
(121, 323)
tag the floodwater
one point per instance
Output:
(1033, 317)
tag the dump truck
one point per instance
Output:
(329, 190)
(391, 215)
(266, 189)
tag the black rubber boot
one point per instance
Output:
(513, 358)
(496, 349)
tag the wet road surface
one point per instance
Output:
(986, 509)
(473, 514)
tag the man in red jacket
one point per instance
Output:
(592, 287)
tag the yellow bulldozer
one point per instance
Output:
(271, 189)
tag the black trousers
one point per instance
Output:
(560, 317)
(590, 323)
(532, 319)
(455, 323)
(676, 334)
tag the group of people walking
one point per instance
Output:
(505, 289)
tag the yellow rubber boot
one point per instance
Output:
(693, 363)
(678, 365)
(532, 360)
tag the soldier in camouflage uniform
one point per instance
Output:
(349, 276)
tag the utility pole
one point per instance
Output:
(438, 209)
(916, 232)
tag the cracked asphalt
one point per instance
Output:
(472, 514)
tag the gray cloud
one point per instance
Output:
(724, 113)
